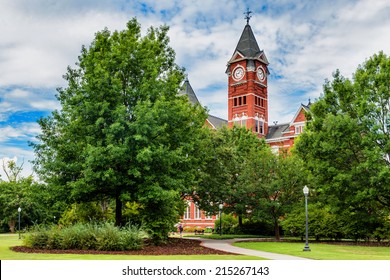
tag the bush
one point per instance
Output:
(208, 230)
(38, 240)
(104, 237)
(132, 238)
(86, 212)
(79, 236)
(229, 224)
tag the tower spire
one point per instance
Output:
(247, 15)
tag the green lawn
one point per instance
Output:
(9, 240)
(320, 251)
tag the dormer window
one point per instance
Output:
(299, 129)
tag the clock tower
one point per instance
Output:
(247, 72)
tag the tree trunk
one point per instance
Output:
(118, 210)
(277, 233)
(240, 221)
(11, 225)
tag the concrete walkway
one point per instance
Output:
(226, 245)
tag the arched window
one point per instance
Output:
(198, 213)
(259, 125)
(187, 212)
(240, 119)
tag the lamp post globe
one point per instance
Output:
(306, 193)
(19, 210)
(220, 218)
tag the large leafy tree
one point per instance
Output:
(227, 154)
(346, 145)
(275, 183)
(123, 132)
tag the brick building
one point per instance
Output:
(247, 98)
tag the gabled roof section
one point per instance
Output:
(213, 121)
(187, 90)
(306, 108)
(247, 45)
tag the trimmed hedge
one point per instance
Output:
(102, 237)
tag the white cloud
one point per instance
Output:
(39, 41)
(20, 132)
(26, 100)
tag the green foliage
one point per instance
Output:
(275, 183)
(103, 237)
(323, 224)
(225, 155)
(163, 210)
(229, 224)
(38, 240)
(22, 192)
(86, 212)
(347, 149)
(132, 213)
(383, 232)
(263, 227)
(123, 133)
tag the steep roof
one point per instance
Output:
(247, 45)
(188, 90)
(217, 122)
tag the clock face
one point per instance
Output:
(260, 74)
(238, 73)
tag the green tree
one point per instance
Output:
(346, 145)
(122, 133)
(18, 191)
(226, 154)
(275, 183)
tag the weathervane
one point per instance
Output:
(247, 15)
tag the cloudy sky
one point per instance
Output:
(304, 40)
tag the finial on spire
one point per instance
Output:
(247, 15)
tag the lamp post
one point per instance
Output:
(19, 210)
(220, 218)
(306, 193)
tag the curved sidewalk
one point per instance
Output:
(226, 245)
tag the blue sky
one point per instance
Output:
(305, 41)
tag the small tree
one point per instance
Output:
(18, 191)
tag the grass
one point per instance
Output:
(10, 240)
(320, 251)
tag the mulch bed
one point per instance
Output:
(175, 246)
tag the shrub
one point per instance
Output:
(188, 229)
(132, 237)
(109, 238)
(105, 237)
(86, 212)
(38, 240)
(54, 239)
(208, 230)
(229, 224)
